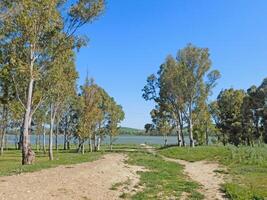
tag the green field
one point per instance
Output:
(10, 163)
(163, 180)
(246, 167)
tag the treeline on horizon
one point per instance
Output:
(181, 90)
(38, 44)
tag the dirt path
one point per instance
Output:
(204, 173)
(82, 181)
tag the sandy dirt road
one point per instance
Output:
(86, 181)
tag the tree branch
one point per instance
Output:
(17, 93)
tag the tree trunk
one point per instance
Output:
(16, 142)
(39, 142)
(166, 140)
(110, 142)
(26, 151)
(44, 147)
(52, 118)
(181, 127)
(57, 137)
(4, 128)
(20, 138)
(36, 143)
(95, 143)
(90, 144)
(191, 138)
(65, 140)
(83, 148)
(207, 134)
(182, 136)
(2, 142)
(68, 144)
(98, 143)
(179, 141)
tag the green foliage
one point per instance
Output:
(130, 131)
(181, 90)
(229, 104)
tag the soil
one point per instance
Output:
(93, 180)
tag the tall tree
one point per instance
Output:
(35, 35)
(181, 85)
(90, 113)
(229, 115)
(115, 116)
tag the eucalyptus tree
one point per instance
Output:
(263, 91)
(6, 97)
(61, 83)
(167, 93)
(162, 123)
(90, 113)
(69, 120)
(36, 35)
(115, 116)
(230, 116)
(181, 85)
(198, 80)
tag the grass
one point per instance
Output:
(10, 162)
(163, 180)
(247, 167)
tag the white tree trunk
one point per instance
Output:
(179, 139)
(98, 143)
(191, 138)
(52, 120)
(44, 147)
(26, 125)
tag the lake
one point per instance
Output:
(121, 139)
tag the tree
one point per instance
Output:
(115, 116)
(162, 123)
(182, 85)
(90, 112)
(229, 116)
(35, 37)
(196, 63)
(61, 84)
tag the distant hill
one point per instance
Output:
(131, 131)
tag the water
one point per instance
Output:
(121, 139)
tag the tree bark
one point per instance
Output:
(36, 143)
(52, 119)
(207, 134)
(57, 137)
(179, 141)
(190, 125)
(110, 142)
(2, 142)
(26, 160)
(83, 148)
(90, 144)
(98, 143)
(44, 147)
(166, 140)
(65, 140)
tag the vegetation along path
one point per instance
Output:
(204, 173)
(92, 180)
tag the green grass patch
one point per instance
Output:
(10, 162)
(247, 167)
(163, 180)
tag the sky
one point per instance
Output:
(133, 37)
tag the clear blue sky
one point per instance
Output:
(133, 37)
